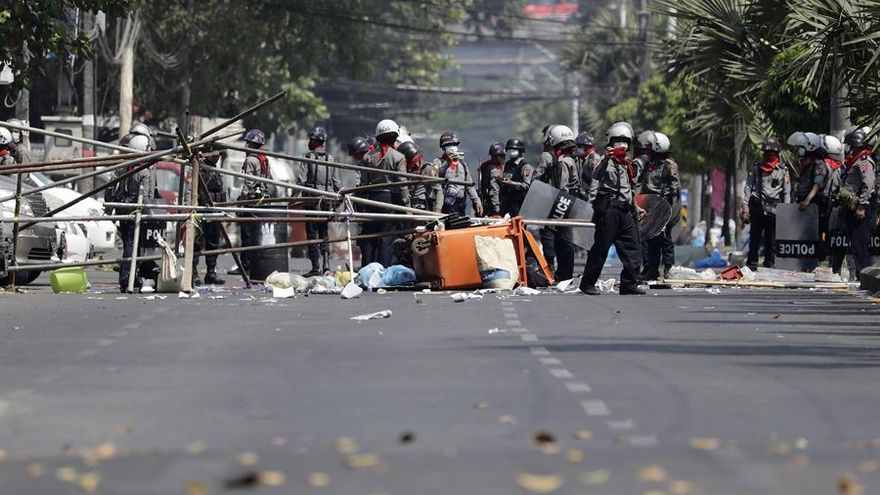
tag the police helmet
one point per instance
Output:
(832, 146)
(661, 143)
(771, 145)
(515, 144)
(449, 138)
(814, 142)
(387, 128)
(358, 145)
(619, 131)
(856, 139)
(5, 136)
(408, 149)
(139, 142)
(497, 149)
(585, 139)
(255, 136)
(645, 140)
(17, 134)
(318, 134)
(561, 137)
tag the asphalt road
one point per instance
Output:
(741, 392)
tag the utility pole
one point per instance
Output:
(23, 107)
(126, 88)
(88, 101)
(575, 108)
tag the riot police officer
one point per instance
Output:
(451, 166)
(255, 164)
(820, 162)
(856, 196)
(17, 147)
(642, 155)
(615, 214)
(561, 174)
(491, 174)
(767, 185)
(546, 157)
(517, 177)
(661, 178)
(324, 178)
(128, 190)
(424, 196)
(587, 159)
(7, 148)
(383, 158)
(209, 234)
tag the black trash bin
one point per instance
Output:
(261, 264)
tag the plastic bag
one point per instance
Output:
(169, 274)
(397, 275)
(713, 261)
(323, 285)
(298, 282)
(279, 280)
(365, 274)
(496, 261)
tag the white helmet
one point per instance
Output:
(813, 142)
(561, 134)
(5, 136)
(797, 140)
(619, 131)
(387, 126)
(403, 137)
(832, 146)
(139, 142)
(646, 140)
(17, 134)
(661, 143)
(141, 128)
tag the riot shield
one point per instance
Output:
(544, 201)
(798, 246)
(659, 212)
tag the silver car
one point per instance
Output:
(37, 244)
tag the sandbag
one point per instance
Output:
(496, 261)
(169, 274)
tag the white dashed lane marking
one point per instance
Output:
(595, 408)
(561, 373)
(578, 387)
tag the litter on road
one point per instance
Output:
(379, 315)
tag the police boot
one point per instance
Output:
(325, 263)
(315, 271)
(591, 290)
(650, 273)
(666, 270)
(212, 278)
(632, 290)
(196, 280)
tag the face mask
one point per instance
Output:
(620, 144)
(451, 151)
(514, 154)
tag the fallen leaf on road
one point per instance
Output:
(507, 420)
(574, 456)
(481, 405)
(89, 482)
(801, 443)
(539, 483)
(271, 478)
(593, 478)
(247, 459)
(196, 488)
(36, 469)
(583, 434)
(709, 443)
(653, 474)
(67, 474)
(848, 485)
(105, 451)
(318, 480)
(799, 460)
(195, 448)
(346, 445)
(407, 437)
(871, 466)
(679, 487)
(545, 442)
(782, 448)
(362, 461)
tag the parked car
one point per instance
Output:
(40, 243)
(101, 234)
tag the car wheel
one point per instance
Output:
(23, 278)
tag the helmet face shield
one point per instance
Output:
(451, 151)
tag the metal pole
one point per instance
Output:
(346, 166)
(16, 228)
(132, 271)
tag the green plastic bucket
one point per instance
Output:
(71, 279)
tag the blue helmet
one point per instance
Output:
(585, 139)
(255, 136)
(318, 134)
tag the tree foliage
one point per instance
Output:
(35, 32)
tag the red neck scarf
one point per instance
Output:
(851, 160)
(618, 155)
(769, 163)
(831, 162)
(264, 164)
(384, 150)
(453, 165)
(4, 152)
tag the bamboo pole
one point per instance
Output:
(132, 269)
(16, 229)
(346, 166)
(52, 266)
(189, 241)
